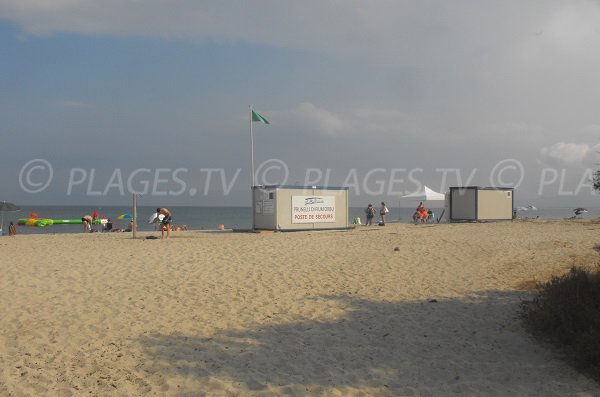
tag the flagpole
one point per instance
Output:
(252, 161)
(252, 148)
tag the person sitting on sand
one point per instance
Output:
(423, 214)
(165, 224)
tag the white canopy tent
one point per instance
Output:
(430, 198)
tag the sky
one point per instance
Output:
(100, 99)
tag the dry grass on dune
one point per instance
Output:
(566, 311)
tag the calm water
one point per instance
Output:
(211, 217)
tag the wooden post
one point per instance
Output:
(134, 226)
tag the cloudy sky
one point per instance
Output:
(99, 98)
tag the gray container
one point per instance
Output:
(474, 203)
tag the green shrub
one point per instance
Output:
(566, 311)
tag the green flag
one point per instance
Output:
(258, 117)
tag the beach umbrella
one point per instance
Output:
(126, 217)
(6, 207)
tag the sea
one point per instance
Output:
(209, 218)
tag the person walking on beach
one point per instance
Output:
(165, 224)
(370, 211)
(383, 211)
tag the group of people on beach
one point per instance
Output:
(164, 223)
(106, 223)
(422, 214)
(370, 212)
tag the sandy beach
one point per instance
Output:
(401, 310)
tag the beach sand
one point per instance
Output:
(333, 313)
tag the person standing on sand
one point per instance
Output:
(383, 211)
(165, 224)
(370, 211)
